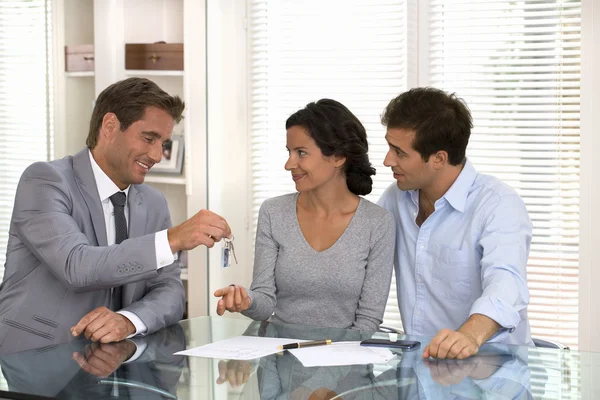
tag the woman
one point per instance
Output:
(323, 255)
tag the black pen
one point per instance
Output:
(304, 344)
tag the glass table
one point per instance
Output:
(82, 370)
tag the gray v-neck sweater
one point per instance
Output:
(344, 286)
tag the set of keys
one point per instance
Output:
(226, 252)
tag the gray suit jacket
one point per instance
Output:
(59, 267)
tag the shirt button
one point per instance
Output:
(418, 313)
(422, 247)
(162, 263)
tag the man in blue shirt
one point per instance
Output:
(462, 237)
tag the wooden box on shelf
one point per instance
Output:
(154, 56)
(79, 58)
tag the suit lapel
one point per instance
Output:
(84, 177)
(137, 212)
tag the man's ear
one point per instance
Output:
(110, 126)
(440, 159)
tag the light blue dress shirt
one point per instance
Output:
(469, 257)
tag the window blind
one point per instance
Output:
(517, 65)
(25, 98)
(353, 51)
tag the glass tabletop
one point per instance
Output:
(82, 370)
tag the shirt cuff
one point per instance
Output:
(140, 347)
(252, 308)
(140, 327)
(164, 256)
(498, 310)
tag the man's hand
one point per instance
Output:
(462, 343)
(103, 325)
(234, 298)
(102, 359)
(236, 372)
(451, 344)
(204, 228)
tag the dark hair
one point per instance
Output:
(128, 100)
(441, 121)
(338, 132)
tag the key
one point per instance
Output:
(228, 251)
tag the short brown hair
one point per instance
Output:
(128, 100)
(441, 121)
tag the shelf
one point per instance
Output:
(170, 180)
(79, 74)
(151, 72)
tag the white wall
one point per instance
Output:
(228, 162)
(589, 215)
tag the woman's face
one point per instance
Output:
(309, 167)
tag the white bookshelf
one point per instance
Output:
(150, 73)
(73, 24)
(80, 74)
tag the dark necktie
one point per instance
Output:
(118, 200)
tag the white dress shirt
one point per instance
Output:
(468, 257)
(164, 257)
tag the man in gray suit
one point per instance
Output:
(91, 249)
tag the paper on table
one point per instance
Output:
(239, 348)
(342, 353)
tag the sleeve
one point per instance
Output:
(262, 291)
(163, 249)
(164, 300)
(140, 327)
(504, 244)
(376, 287)
(42, 219)
(385, 200)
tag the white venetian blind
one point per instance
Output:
(353, 51)
(517, 65)
(25, 101)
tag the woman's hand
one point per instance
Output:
(234, 298)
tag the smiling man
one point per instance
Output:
(462, 237)
(91, 248)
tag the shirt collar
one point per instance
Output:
(457, 195)
(106, 187)
(459, 191)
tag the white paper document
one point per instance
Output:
(240, 348)
(342, 353)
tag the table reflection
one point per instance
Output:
(84, 370)
(149, 370)
(498, 372)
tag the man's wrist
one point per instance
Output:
(479, 328)
(172, 238)
(479, 341)
(131, 329)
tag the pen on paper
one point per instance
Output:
(304, 344)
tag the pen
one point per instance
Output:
(304, 344)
